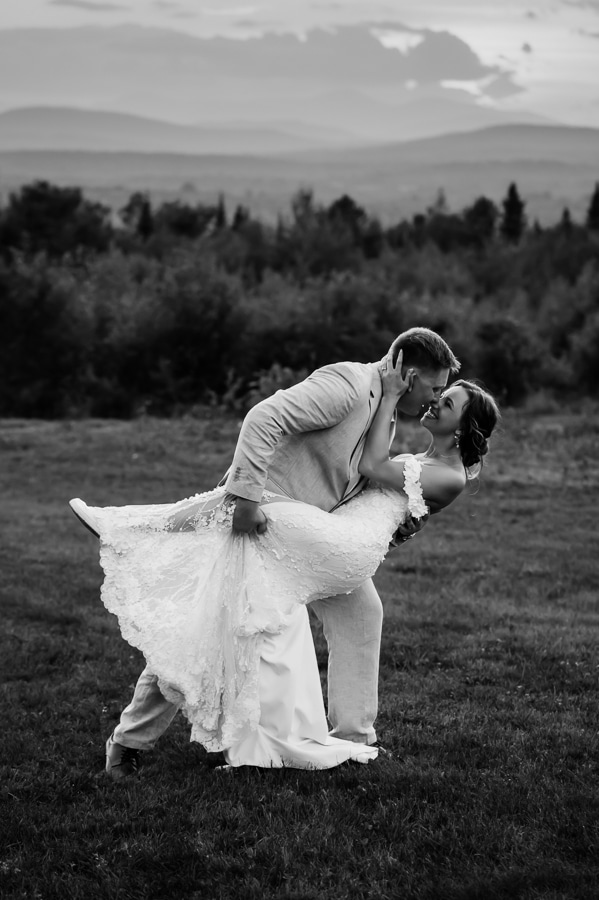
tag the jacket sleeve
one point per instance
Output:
(320, 401)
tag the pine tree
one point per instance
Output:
(145, 224)
(440, 206)
(566, 222)
(220, 220)
(513, 221)
(138, 216)
(593, 210)
(240, 217)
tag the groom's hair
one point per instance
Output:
(425, 349)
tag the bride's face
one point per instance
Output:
(445, 414)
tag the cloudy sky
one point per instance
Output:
(546, 50)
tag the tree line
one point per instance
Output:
(168, 306)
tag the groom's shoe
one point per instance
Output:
(85, 515)
(121, 762)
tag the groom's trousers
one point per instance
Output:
(352, 626)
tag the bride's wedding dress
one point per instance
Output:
(221, 617)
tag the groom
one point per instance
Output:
(305, 443)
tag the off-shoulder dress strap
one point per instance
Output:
(413, 487)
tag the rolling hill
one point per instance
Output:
(63, 128)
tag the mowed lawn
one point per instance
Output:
(488, 693)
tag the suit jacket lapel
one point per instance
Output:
(374, 400)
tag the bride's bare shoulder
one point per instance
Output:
(441, 484)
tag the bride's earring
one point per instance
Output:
(456, 438)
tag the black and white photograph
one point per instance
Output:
(299, 450)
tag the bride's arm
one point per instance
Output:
(440, 485)
(376, 449)
(375, 463)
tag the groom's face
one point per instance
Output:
(428, 385)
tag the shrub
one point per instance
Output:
(45, 336)
(585, 354)
(44, 218)
(506, 358)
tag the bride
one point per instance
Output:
(221, 616)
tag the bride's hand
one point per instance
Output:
(394, 384)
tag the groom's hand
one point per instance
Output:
(248, 517)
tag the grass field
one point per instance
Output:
(489, 690)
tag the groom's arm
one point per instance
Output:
(321, 401)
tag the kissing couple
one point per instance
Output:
(214, 589)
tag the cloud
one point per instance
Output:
(175, 10)
(259, 25)
(90, 5)
(441, 56)
(390, 36)
(392, 25)
(393, 54)
(376, 56)
(231, 11)
(593, 5)
(388, 53)
(502, 86)
(429, 56)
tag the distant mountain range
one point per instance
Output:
(553, 166)
(56, 128)
(500, 144)
(62, 128)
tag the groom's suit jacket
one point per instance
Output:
(306, 442)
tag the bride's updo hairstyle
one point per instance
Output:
(479, 417)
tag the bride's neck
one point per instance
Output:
(444, 450)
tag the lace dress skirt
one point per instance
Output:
(221, 620)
